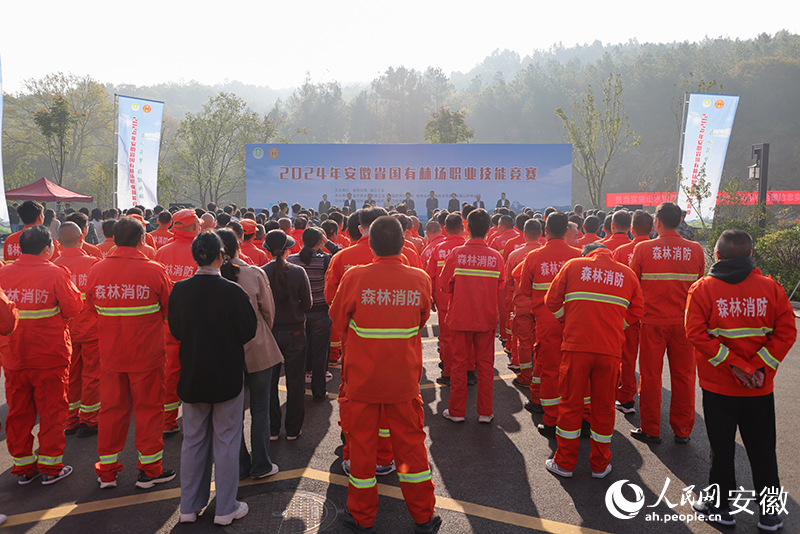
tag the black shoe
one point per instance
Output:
(85, 431)
(520, 385)
(72, 431)
(681, 440)
(431, 527)
(472, 378)
(770, 522)
(441, 365)
(534, 407)
(625, 407)
(143, 481)
(349, 521)
(586, 429)
(443, 380)
(637, 433)
(546, 430)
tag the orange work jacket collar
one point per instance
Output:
(73, 252)
(394, 258)
(557, 242)
(183, 235)
(669, 233)
(455, 237)
(31, 259)
(640, 238)
(599, 252)
(127, 252)
(476, 242)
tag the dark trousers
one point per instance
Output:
(293, 348)
(260, 386)
(755, 418)
(318, 345)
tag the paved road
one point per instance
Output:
(489, 478)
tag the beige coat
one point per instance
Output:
(262, 351)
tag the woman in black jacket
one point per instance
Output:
(213, 319)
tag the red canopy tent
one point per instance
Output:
(46, 191)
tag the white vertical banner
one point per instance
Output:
(3, 205)
(709, 121)
(138, 142)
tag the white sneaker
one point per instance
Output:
(104, 485)
(188, 518)
(274, 471)
(552, 466)
(52, 479)
(446, 415)
(603, 473)
(308, 378)
(2, 519)
(328, 376)
(227, 519)
(485, 418)
(346, 467)
(381, 470)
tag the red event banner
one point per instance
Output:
(749, 198)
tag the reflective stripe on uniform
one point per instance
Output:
(536, 379)
(109, 459)
(336, 344)
(83, 296)
(363, 483)
(171, 406)
(767, 357)
(550, 402)
(384, 333)
(25, 460)
(440, 263)
(414, 478)
(544, 286)
(128, 311)
(736, 333)
(559, 314)
(383, 432)
(39, 314)
(568, 434)
(477, 272)
(681, 277)
(90, 408)
(596, 297)
(74, 405)
(525, 365)
(151, 458)
(50, 460)
(600, 438)
(587, 400)
(720, 356)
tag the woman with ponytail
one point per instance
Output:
(291, 292)
(318, 323)
(261, 355)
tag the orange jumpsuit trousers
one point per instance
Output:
(172, 373)
(123, 394)
(28, 392)
(405, 421)
(548, 357)
(523, 329)
(627, 366)
(580, 370)
(83, 394)
(481, 345)
(654, 339)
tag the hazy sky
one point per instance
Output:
(274, 43)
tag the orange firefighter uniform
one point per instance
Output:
(83, 393)
(11, 249)
(473, 275)
(538, 271)
(614, 241)
(130, 294)
(630, 350)
(428, 250)
(37, 364)
(513, 244)
(595, 286)
(522, 324)
(106, 246)
(360, 253)
(666, 266)
(177, 258)
(9, 316)
(498, 243)
(161, 236)
(380, 308)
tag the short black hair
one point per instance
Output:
(128, 232)
(622, 219)
(165, 217)
(591, 247)
(330, 227)
(556, 224)
(478, 222)
(734, 244)
(642, 222)
(532, 228)
(591, 224)
(466, 210)
(368, 215)
(29, 211)
(34, 240)
(386, 236)
(520, 221)
(507, 221)
(78, 218)
(300, 223)
(206, 248)
(454, 224)
(669, 214)
(405, 222)
(441, 217)
(108, 228)
(353, 223)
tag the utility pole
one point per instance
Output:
(759, 171)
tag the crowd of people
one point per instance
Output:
(85, 304)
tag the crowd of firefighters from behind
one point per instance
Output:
(351, 291)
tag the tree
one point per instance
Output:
(211, 146)
(697, 192)
(599, 134)
(54, 123)
(446, 126)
